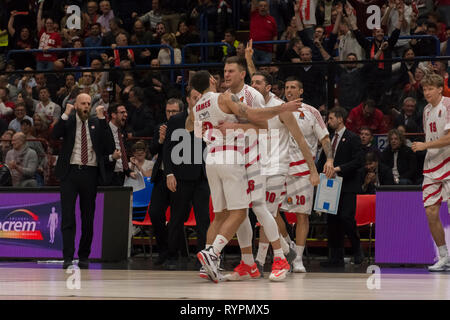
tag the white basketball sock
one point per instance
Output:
(248, 259)
(262, 252)
(443, 252)
(278, 254)
(299, 250)
(219, 243)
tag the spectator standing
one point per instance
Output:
(398, 12)
(94, 40)
(141, 123)
(153, 17)
(92, 12)
(22, 40)
(262, 28)
(49, 38)
(164, 55)
(106, 16)
(141, 37)
(22, 161)
(400, 159)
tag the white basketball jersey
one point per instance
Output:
(314, 129)
(208, 113)
(253, 99)
(276, 159)
(436, 122)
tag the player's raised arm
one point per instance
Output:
(289, 121)
(260, 114)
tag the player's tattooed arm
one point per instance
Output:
(326, 146)
(242, 106)
(328, 168)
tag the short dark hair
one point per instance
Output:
(267, 77)
(200, 80)
(292, 78)
(113, 108)
(371, 157)
(339, 112)
(231, 31)
(26, 121)
(370, 103)
(366, 129)
(242, 64)
(95, 24)
(43, 88)
(139, 93)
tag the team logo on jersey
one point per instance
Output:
(301, 115)
(203, 116)
(289, 200)
(242, 99)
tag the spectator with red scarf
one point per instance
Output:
(49, 38)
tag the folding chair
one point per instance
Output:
(146, 223)
(141, 200)
(365, 215)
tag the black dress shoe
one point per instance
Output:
(83, 264)
(67, 263)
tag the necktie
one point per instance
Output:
(84, 145)
(333, 146)
(123, 152)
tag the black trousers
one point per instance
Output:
(81, 181)
(118, 178)
(188, 194)
(344, 223)
(159, 202)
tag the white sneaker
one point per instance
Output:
(441, 265)
(209, 261)
(298, 266)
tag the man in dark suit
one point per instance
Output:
(347, 160)
(117, 160)
(186, 180)
(160, 199)
(80, 167)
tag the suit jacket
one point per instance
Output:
(66, 129)
(348, 157)
(189, 170)
(156, 149)
(110, 146)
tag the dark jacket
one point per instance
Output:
(194, 168)
(66, 130)
(406, 161)
(384, 178)
(140, 122)
(348, 157)
(156, 148)
(110, 146)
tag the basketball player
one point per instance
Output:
(436, 168)
(299, 190)
(228, 193)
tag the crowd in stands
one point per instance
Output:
(380, 97)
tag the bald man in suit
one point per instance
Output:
(80, 168)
